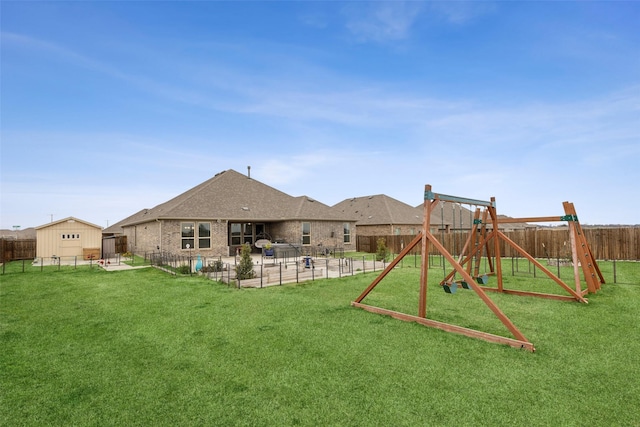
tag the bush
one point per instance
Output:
(183, 269)
(381, 251)
(244, 270)
(214, 267)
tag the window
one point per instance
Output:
(187, 235)
(396, 231)
(236, 234)
(204, 235)
(248, 233)
(306, 233)
(347, 232)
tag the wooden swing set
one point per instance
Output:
(482, 241)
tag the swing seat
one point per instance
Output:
(482, 280)
(450, 288)
(465, 285)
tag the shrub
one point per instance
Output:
(214, 267)
(183, 269)
(381, 249)
(244, 270)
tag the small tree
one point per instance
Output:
(381, 250)
(244, 269)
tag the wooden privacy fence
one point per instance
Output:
(114, 245)
(621, 243)
(11, 249)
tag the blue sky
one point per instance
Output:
(111, 107)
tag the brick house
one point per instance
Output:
(219, 215)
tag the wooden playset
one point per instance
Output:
(483, 241)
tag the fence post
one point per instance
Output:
(327, 264)
(261, 265)
(281, 274)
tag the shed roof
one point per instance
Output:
(233, 196)
(68, 219)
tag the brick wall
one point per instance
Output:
(325, 233)
(166, 235)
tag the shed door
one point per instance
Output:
(70, 245)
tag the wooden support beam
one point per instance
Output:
(577, 295)
(424, 265)
(530, 219)
(516, 343)
(531, 294)
(471, 282)
(390, 267)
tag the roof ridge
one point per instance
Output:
(187, 195)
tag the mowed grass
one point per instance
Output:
(89, 347)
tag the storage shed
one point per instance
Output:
(69, 237)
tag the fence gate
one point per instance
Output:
(113, 245)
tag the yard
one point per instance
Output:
(89, 347)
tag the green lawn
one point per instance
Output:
(89, 347)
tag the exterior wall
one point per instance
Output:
(143, 237)
(323, 233)
(389, 229)
(172, 238)
(166, 236)
(50, 242)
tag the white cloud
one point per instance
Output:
(381, 21)
(461, 12)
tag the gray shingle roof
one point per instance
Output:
(379, 210)
(117, 227)
(233, 196)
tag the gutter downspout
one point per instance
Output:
(160, 234)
